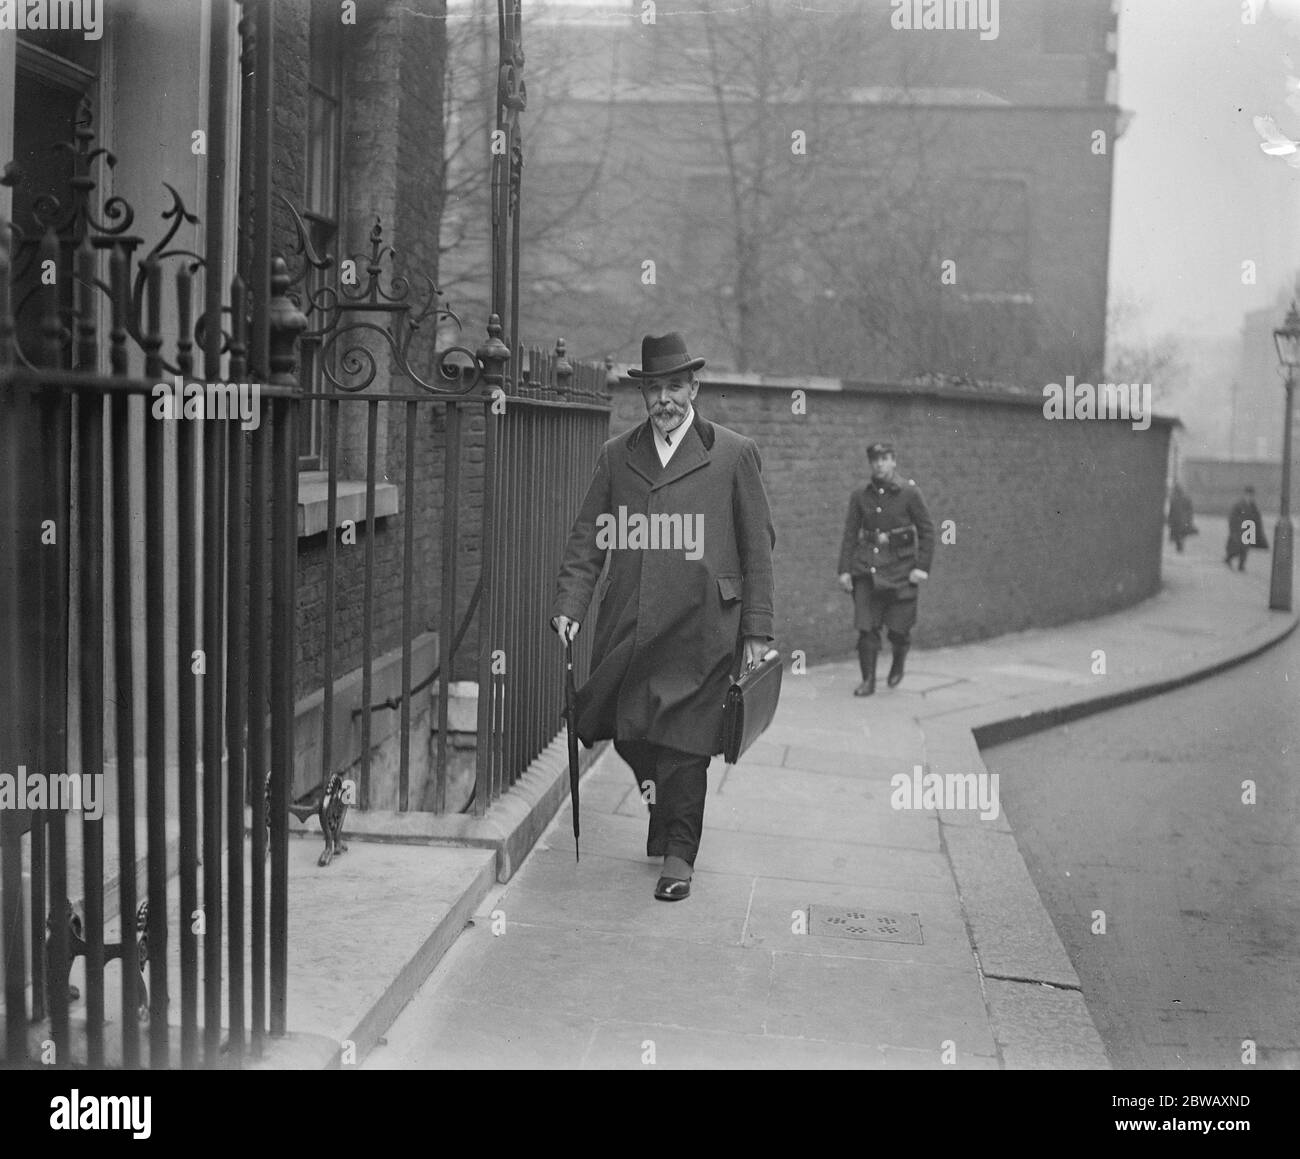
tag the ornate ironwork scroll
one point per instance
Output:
(381, 302)
(63, 227)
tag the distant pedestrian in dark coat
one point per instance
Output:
(1245, 529)
(885, 554)
(1181, 524)
(675, 617)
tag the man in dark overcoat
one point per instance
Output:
(1245, 529)
(886, 553)
(1181, 520)
(677, 518)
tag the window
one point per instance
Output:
(321, 211)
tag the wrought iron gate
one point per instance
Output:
(219, 511)
(210, 673)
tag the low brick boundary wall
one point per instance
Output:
(1046, 521)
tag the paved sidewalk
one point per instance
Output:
(578, 966)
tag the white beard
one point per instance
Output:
(667, 424)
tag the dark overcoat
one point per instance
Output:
(668, 629)
(1244, 511)
(882, 508)
(1181, 517)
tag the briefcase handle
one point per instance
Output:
(763, 660)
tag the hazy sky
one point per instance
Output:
(1194, 194)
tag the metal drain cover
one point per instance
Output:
(848, 922)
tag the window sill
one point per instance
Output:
(313, 502)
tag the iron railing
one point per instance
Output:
(540, 434)
(546, 432)
(218, 694)
(215, 687)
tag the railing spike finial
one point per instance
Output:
(375, 267)
(494, 353)
(563, 370)
(286, 323)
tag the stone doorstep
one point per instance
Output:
(308, 1045)
(511, 828)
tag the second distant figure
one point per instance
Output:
(886, 553)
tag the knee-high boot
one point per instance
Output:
(896, 665)
(868, 649)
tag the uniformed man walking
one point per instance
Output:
(887, 549)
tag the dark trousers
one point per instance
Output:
(677, 783)
(874, 608)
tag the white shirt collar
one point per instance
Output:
(666, 448)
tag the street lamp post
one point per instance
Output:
(1288, 351)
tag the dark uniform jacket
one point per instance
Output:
(668, 632)
(896, 511)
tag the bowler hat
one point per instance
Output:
(880, 450)
(664, 355)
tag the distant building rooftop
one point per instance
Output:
(874, 95)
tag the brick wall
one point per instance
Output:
(1052, 521)
(1216, 484)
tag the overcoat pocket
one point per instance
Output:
(729, 588)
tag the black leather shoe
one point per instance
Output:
(672, 889)
(867, 687)
(896, 667)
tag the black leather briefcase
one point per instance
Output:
(750, 705)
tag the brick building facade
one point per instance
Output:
(678, 144)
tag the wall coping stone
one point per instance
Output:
(1006, 396)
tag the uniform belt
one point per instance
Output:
(904, 535)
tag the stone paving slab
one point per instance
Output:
(604, 976)
(364, 933)
(845, 791)
(778, 817)
(857, 742)
(624, 1046)
(863, 768)
(813, 760)
(873, 1002)
(464, 1034)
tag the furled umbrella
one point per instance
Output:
(571, 716)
